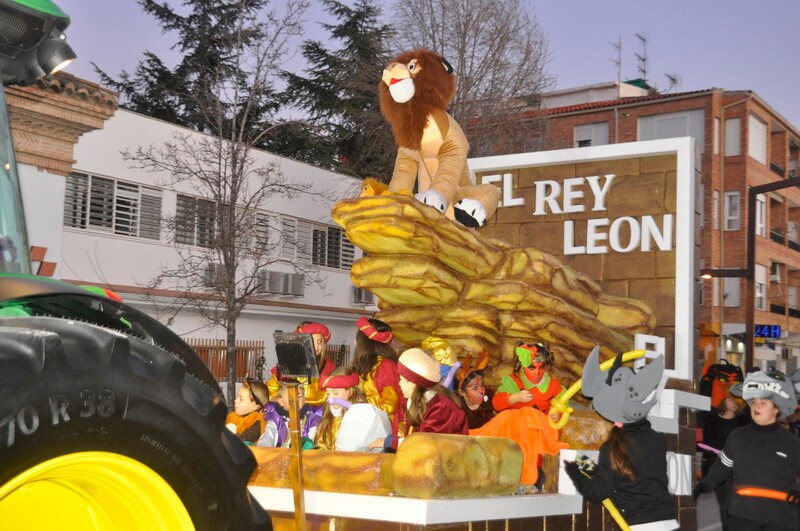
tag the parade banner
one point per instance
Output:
(622, 214)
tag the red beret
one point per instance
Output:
(316, 328)
(368, 330)
(341, 381)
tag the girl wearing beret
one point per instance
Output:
(375, 361)
(349, 422)
(431, 407)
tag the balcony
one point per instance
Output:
(777, 236)
(777, 169)
(777, 308)
(794, 312)
(794, 245)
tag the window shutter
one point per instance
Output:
(126, 209)
(304, 244)
(76, 200)
(150, 214)
(101, 204)
(348, 253)
(289, 238)
(184, 220)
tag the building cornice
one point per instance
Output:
(48, 117)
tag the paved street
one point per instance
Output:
(707, 513)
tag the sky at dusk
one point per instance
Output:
(730, 44)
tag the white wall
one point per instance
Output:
(96, 257)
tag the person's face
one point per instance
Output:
(731, 405)
(344, 394)
(407, 388)
(763, 411)
(244, 403)
(319, 344)
(536, 371)
(474, 391)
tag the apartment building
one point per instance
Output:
(93, 218)
(740, 142)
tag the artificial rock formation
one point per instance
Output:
(435, 277)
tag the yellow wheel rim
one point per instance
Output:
(91, 491)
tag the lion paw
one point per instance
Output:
(434, 199)
(470, 213)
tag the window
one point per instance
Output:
(591, 134)
(761, 215)
(108, 205)
(195, 221)
(715, 209)
(701, 205)
(757, 139)
(730, 297)
(732, 211)
(761, 287)
(674, 124)
(315, 243)
(733, 137)
(716, 136)
(702, 291)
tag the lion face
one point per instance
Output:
(413, 86)
(420, 71)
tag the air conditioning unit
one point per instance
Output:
(363, 296)
(775, 277)
(282, 283)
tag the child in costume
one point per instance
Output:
(476, 401)
(632, 465)
(762, 456)
(349, 422)
(375, 361)
(247, 420)
(313, 394)
(431, 407)
(717, 425)
(530, 385)
(276, 413)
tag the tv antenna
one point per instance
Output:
(618, 61)
(642, 57)
(674, 81)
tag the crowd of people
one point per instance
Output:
(383, 396)
(751, 460)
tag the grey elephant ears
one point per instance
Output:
(592, 379)
(646, 380)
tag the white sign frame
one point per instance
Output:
(686, 185)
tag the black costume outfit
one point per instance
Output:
(759, 456)
(643, 500)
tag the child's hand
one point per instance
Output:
(231, 426)
(377, 443)
(554, 414)
(520, 396)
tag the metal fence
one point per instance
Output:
(214, 354)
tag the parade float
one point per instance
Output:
(588, 247)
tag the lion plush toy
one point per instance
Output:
(415, 91)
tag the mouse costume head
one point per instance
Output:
(772, 385)
(620, 394)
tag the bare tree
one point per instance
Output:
(499, 52)
(223, 236)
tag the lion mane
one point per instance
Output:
(435, 87)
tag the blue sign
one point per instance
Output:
(767, 331)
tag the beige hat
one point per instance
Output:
(416, 366)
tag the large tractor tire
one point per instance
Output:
(100, 430)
